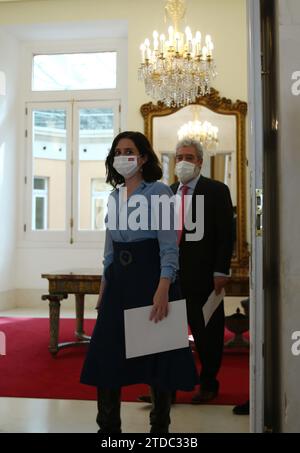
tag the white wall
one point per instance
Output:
(9, 53)
(224, 20)
(289, 179)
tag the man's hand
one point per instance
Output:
(219, 283)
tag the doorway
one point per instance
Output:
(263, 192)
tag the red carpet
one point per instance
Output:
(28, 369)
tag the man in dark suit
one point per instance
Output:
(204, 264)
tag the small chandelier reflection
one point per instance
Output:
(204, 132)
(179, 68)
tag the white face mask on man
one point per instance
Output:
(186, 171)
(126, 165)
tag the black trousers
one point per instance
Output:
(209, 340)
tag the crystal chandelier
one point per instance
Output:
(204, 132)
(178, 69)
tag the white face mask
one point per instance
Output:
(126, 165)
(186, 171)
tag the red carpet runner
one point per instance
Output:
(28, 369)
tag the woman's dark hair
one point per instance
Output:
(151, 169)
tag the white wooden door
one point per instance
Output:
(256, 186)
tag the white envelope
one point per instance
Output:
(212, 304)
(143, 337)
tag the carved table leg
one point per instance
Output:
(54, 312)
(54, 307)
(79, 333)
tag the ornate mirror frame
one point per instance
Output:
(239, 285)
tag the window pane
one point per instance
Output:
(99, 211)
(39, 183)
(49, 165)
(95, 139)
(76, 71)
(93, 119)
(40, 220)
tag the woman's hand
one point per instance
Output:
(160, 307)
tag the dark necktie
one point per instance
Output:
(184, 190)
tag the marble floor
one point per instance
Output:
(25, 415)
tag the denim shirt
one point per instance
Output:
(167, 238)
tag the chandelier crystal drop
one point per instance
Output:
(205, 133)
(178, 68)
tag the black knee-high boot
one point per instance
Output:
(160, 413)
(109, 406)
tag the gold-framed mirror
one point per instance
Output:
(161, 125)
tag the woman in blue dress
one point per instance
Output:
(140, 266)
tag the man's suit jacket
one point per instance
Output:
(200, 259)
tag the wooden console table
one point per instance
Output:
(61, 284)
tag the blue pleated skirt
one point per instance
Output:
(131, 282)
